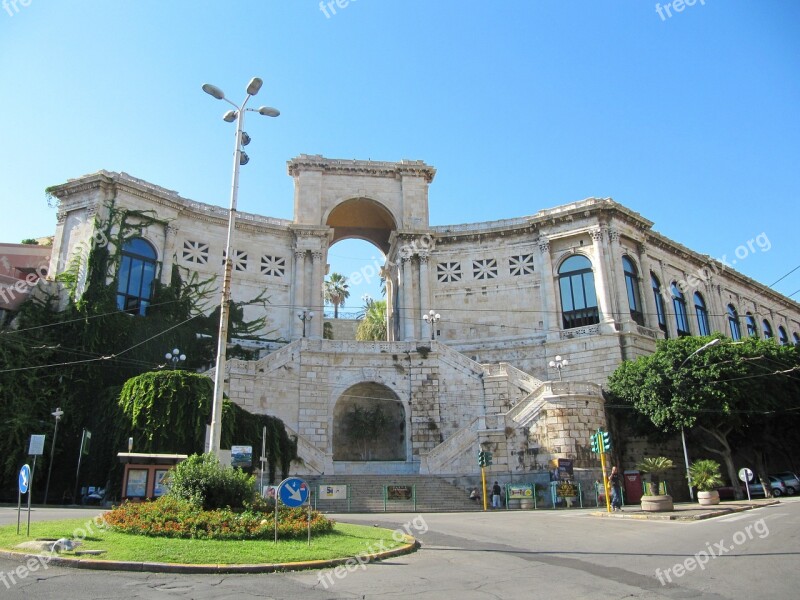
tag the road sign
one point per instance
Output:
(24, 479)
(745, 475)
(293, 492)
(36, 447)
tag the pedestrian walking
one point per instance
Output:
(615, 481)
(496, 495)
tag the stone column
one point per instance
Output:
(299, 292)
(169, 253)
(717, 314)
(407, 305)
(425, 300)
(388, 277)
(666, 294)
(600, 279)
(550, 316)
(618, 269)
(316, 302)
(646, 289)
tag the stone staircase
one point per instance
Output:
(433, 494)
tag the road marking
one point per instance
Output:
(731, 518)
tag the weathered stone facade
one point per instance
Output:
(509, 298)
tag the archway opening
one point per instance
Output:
(363, 219)
(369, 424)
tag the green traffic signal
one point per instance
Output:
(595, 448)
(606, 441)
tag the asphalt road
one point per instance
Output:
(498, 555)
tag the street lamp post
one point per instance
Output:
(305, 315)
(57, 413)
(713, 342)
(559, 363)
(239, 158)
(175, 357)
(432, 318)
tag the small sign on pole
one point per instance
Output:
(36, 446)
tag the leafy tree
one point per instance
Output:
(373, 325)
(336, 292)
(30, 241)
(723, 394)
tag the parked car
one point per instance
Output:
(756, 489)
(777, 486)
(790, 480)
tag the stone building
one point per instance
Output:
(590, 280)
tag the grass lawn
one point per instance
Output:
(345, 540)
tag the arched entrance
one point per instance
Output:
(364, 219)
(369, 424)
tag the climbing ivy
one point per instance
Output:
(69, 346)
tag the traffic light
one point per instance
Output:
(488, 459)
(484, 459)
(595, 447)
(606, 441)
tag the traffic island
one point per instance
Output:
(686, 511)
(345, 545)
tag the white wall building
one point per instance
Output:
(590, 280)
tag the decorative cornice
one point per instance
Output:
(395, 170)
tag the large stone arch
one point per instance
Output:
(364, 219)
(348, 443)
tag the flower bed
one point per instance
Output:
(169, 517)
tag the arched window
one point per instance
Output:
(782, 337)
(733, 323)
(662, 318)
(702, 314)
(632, 285)
(679, 304)
(796, 337)
(578, 297)
(137, 269)
(767, 330)
(750, 322)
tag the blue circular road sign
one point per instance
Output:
(293, 492)
(24, 479)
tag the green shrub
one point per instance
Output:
(176, 518)
(201, 480)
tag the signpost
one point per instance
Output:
(86, 437)
(746, 475)
(24, 487)
(293, 492)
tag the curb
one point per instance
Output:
(678, 517)
(156, 567)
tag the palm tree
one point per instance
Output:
(373, 326)
(336, 292)
(657, 467)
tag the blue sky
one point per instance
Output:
(691, 120)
